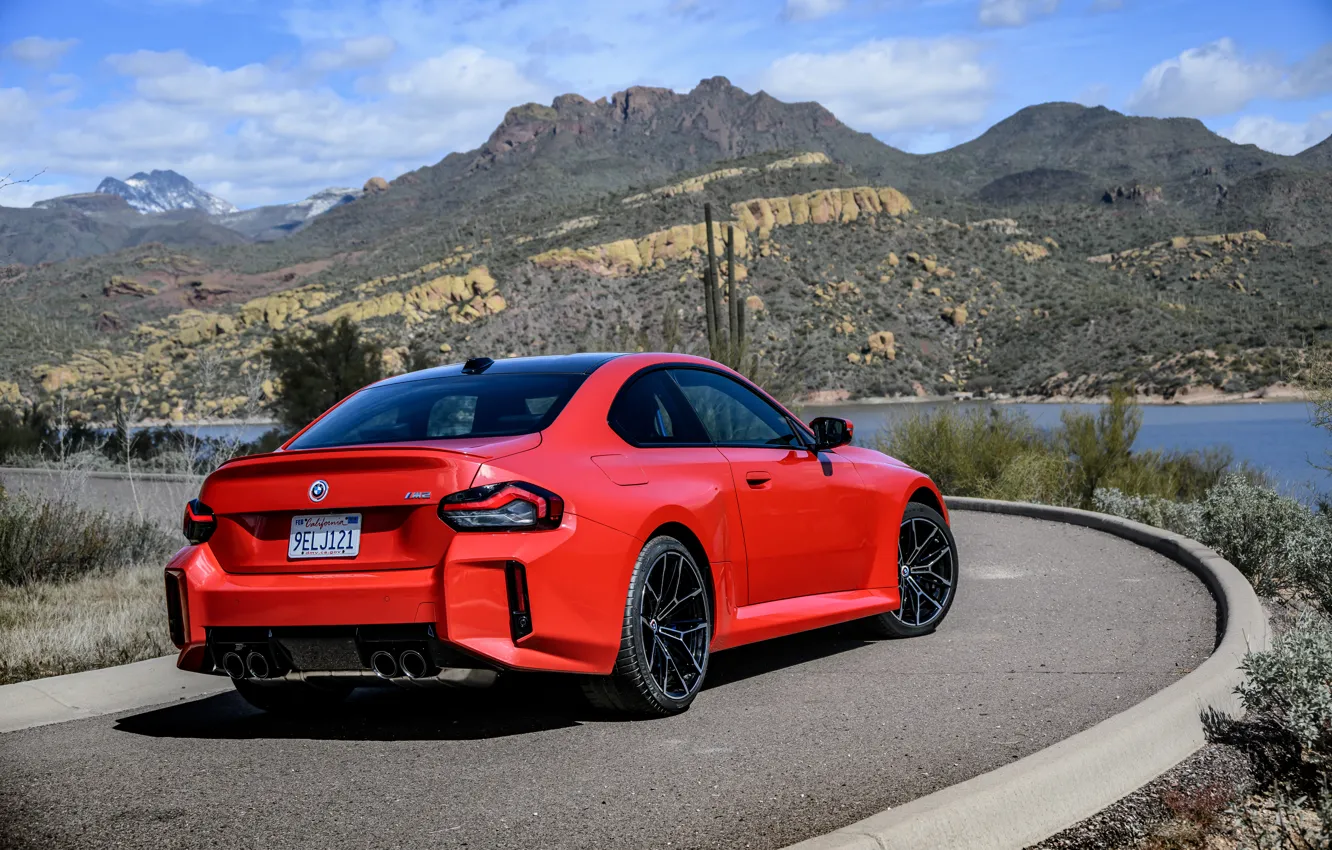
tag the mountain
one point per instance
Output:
(88, 202)
(62, 229)
(541, 157)
(93, 223)
(280, 220)
(1095, 149)
(163, 191)
(1318, 156)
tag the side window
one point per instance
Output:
(732, 413)
(650, 412)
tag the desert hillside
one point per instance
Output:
(1064, 250)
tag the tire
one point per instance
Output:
(664, 644)
(291, 697)
(930, 587)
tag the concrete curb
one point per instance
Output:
(95, 692)
(1033, 798)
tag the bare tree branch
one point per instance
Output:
(8, 180)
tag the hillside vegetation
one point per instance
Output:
(1064, 251)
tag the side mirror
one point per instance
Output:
(831, 432)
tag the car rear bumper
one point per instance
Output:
(577, 577)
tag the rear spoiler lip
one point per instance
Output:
(421, 445)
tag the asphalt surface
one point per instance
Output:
(1055, 628)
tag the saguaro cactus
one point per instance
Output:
(727, 342)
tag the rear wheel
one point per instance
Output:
(664, 645)
(290, 697)
(927, 575)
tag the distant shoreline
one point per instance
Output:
(1276, 393)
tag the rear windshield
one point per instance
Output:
(444, 408)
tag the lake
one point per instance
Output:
(1274, 436)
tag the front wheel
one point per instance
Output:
(664, 646)
(926, 575)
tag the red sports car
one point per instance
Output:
(620, 517)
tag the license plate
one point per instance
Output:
(325, 536)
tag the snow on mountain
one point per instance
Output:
(279, 220)
(163, 191)
(323, 201)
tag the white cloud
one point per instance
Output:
(464, 76)
(809, 10)
(1217, 79)
(363, 52)
(1014, 13)
(1283, 137)
(890, 85)
(265, 133)
(38, 51)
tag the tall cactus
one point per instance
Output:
(727, 342)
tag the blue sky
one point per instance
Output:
(263, 102)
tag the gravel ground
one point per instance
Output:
(1212, 777)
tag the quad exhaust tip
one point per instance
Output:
(384, 665)
(233, 665)
(257, 665)
(413, 664)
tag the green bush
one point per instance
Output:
(320, 367)
(58, 540)
(999, 454)
(987, 453)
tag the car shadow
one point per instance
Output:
(518, 704)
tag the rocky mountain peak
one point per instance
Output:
(163, 191)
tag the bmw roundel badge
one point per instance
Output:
(318, 490)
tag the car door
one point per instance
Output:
(802, 512)
(671, 455)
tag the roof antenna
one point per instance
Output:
(477, 365)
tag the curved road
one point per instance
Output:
(1055, 629)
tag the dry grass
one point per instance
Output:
(97, 620)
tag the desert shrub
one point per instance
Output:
(320, 367)
(58, 540)
(1100, 445)
(999, 454)
(1180, 517)
(1287, 734)
(987, 453)
(1290, 687)
(1275, 541)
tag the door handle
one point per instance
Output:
(757, 478)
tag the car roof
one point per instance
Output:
(556, 364)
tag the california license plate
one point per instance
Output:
(325, 536)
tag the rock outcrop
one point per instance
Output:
(696, 184)
(759, 215)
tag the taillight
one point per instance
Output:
(508, 506)
(199, 522)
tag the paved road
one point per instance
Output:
(1055, 628)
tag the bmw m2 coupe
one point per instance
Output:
(617, 517)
